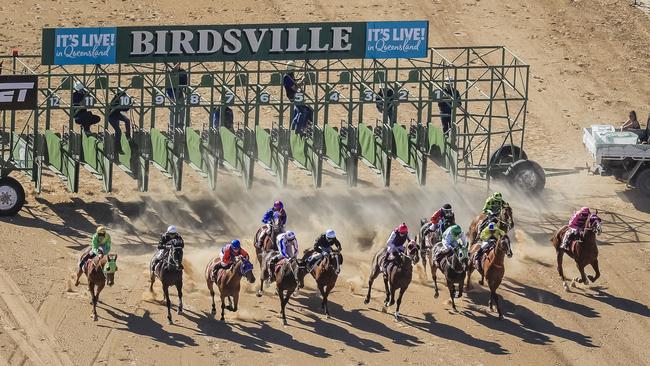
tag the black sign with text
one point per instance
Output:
(18, 92)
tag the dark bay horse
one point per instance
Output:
(583, 251)
(289, 274)
(100, 271)
(454, 267)
(504, 220)
(399, 275)
(492, 268)
(228, 282)
(266, 242)
(325, 273)
(170, 273)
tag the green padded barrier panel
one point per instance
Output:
(403, 146)
(137, 82)
(54, 155)
(241, 79)
(159, 149)
(89, 154)
(126, 159)
(193, 142)
(333, 148)
(300, 150)
(276, 79)
(22, 153)
(344, 77)
(231, 150)
(263, 141)
(207, 80)
(101, 82)
(368, 144)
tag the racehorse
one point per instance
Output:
(504, 220)
(264, 243)
(584, 252)
(454, 267)
(492, 268)
(289, 274)
(228, 282)
(100, 271)
(170, 273)
(398, 276)
(325, 273)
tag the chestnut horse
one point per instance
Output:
(491, 267)
(228, 282)
(265, 243)
(504, 220)
(454, 267)
(399, 275)
(100, 271)
(584, 252)
(289, 274)
(170, 273)
(326, 273)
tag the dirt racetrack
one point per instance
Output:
(589, 64)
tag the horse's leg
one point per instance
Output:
(179, 289)
(327, 293)
(321, 289)
(560, 270)
(460, 289)
(283, 303)
(152, 279)
(583, 277)
(468, 284)
(261, 290)
(79, 273)
(393, 289)
(235, 302)
(495, 299)
(93, 298)
(594, 265)
(169, 303)
(434, 275)
(223, 305)
(211, 288)
(373, 274)
(387, 289)
(399, 301)
(452, 294)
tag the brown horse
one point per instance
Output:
(504, 220)
(584, 252)
(454, 267)
(100, 271)
(326, 273)
(228, 282)
(289, 274)
(492, 268)
(170, 273)
(399, 274)
(264, 243)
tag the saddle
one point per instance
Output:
(396, 261)
(217, 271)
(483, 224)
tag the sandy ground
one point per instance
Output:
(589, 63)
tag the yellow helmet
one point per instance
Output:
(101, 229)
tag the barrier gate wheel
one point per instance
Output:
(12, 196)
(526, 176)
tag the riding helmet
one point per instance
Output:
(585, 211)
(235, 244)
(330, 234)
(446, 207)
(491, 226)
(497, 196)
(291, 235)
(171, 229)
(456, 230)
(101, 229)
(278, 205)
(403, 229)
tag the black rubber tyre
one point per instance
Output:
(508, 154)
(642, 182)
(12, 196)
(526, 176)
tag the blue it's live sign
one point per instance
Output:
(242, 42)
(397, 39)
(82, 46)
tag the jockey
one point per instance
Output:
(324, 244)
(576, 226)
(228, 255)
(171, 238)
(493, 204)
(444, 215)
(287, 248)
(278, 207)
(101, 243)
(395, 244)
(488, 236)
(450, 239)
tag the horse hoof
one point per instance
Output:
(366, 301)
(180, 311)
(566, 287)
(591, 278)
(259, 294)
(435, 296)
(500, 317)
